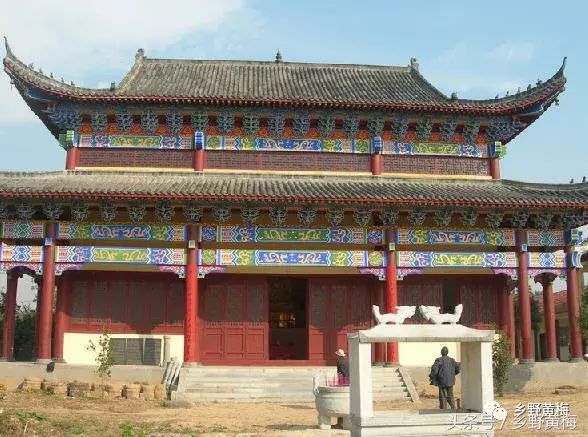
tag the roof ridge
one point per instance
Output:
(400, 68)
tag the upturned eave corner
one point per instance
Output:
(7, 47)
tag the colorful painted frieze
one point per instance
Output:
(221, 142)
(456, 259)
(258, 234)
(325, 258)
(549, 260)
(80, 231)
(24, 230)
(28, 254)
(136, 141)
(127, 255)
(438, 149)
(33, 267)
(545, 238)
(503, 237)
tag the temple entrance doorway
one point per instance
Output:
(288, 334)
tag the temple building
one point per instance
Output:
(251, 213)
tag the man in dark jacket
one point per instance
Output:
(342, 365)
(442, 375)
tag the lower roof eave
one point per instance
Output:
(302, 199)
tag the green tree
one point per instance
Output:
(24, 333)
(502, 361)
(104, 358)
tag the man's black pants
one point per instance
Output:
(446, 396)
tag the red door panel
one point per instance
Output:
(337, 307)
(318, 298)
(234, 320)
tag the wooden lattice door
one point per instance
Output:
(234, 320)
(337, 307)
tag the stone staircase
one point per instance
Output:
(278, 384)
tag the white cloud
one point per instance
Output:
(76, 41)
(513, 51)
(475, 73)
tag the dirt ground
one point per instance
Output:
(28, 414)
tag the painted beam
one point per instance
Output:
(81, 231)
(323, 258)
(261, 144)
(545, 238)
(125, 255)
(137, 141)
(425, 259)
(434, 149)
(26, 254)
(22, 229)
(480, 237)
(260, 234)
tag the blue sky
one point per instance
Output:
(478, 49)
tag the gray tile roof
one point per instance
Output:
(293, 84)
(291, 188)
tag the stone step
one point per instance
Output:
(308, 381)
(272, 384)
(277, 395)
(280, 369)
(257, 383)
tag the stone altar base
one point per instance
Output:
(431, 423)
(332, 402)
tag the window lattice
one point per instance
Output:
(135, 158)
(441, 165)
(292, 161)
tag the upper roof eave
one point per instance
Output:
(542, 93)
(382, 190)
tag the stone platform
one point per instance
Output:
(431, 423)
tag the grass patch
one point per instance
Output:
(218, 428)
(129, 429)
(78, 430)
(31, 415)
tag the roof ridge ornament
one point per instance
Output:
(278, 57)
(414, 64)
(139, 55)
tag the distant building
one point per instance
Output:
(251, 213)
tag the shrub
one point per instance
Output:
(502, 361)
(104, 358)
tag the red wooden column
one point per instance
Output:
(546, 280)
(71, 158)
(391, 291)
(524, 299)
(573, 306)
(69, 141)
(62, 318)
(495, 168)
(380, 355)
(511, 322)
(191, 346)
(198, 152)
(46, 315)
(39, 283)
(496, 151)
(376, 162)
(503, 303)
(9, 316)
